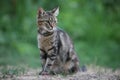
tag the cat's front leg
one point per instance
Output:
(51, 58)
(43, 57)
(46, 69)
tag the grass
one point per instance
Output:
(27, 73)
(10, 71)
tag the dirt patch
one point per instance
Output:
(92, 73)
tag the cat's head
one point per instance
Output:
(47, 20)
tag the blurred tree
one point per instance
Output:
(94, 26)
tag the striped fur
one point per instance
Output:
(56, 48)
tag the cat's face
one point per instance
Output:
(47, 20)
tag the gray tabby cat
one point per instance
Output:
(56, 48)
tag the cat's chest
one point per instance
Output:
(46, 42)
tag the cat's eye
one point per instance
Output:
(41, 22)
(50, 19)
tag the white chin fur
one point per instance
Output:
(54, 28)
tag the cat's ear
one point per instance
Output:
(40, 11)
(55, 11)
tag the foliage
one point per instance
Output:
(94, 26)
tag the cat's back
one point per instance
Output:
(64, 38)
(61, 32)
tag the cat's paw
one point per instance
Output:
(43, 73)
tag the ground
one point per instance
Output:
(26, 73)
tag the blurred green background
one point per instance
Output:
(94, 26)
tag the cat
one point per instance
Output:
(57, 52)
